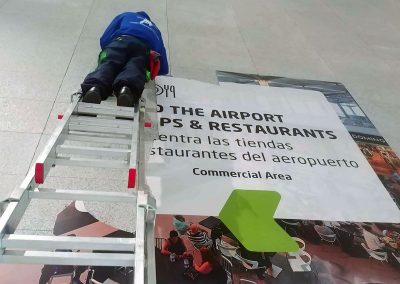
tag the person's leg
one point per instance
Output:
(117, 54)
(129, 83)
(132, 76)
(47, 272)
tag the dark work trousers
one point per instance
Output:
(124, 64)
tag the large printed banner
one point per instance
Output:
(214, 139)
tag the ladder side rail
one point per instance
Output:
(146, 204)
(48, 156)
(140, 246)
(46, 243)
(18, 202)
(140, 154)
(19, 198)
(151, 112)
(132, 171)
(151, 105)
(144, 246)
(149, 242)
(150, 251)
(12, 215)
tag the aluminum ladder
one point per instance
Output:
(84, 122)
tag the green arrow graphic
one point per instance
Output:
(249, 215)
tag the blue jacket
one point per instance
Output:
(138, 25)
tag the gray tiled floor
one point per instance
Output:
(47, 47)
(22, 115)
(16, 151)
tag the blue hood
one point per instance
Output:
(137, 24)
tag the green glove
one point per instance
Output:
(102, 56)
(148, 77)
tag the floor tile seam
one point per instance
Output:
(316, 53)
(391, 25)
(243, 39)
(11, 12)
(27, 98)
(7, 173)
(195, 68)
(74, 51)
(356, 33)
(19, 132)
(216, 66)
(255, 66)
(19, 71)
(62, 81)
(26, 132)
(16, 175)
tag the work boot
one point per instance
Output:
(127, 98)
(93, 96)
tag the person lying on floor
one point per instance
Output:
(131, 45)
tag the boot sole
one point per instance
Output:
(92, 98)
(125, 101)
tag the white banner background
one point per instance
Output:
(318, 192)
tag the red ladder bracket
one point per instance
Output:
(132, 178)
(39, 173)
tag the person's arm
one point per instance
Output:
(112, 27)
(204, 268)
(164, 249)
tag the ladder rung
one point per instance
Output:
(105, 110)
(106, 135)
(92, 151)
(96, 163)
(35, 242)
(84, 195)
(119, 123)
(99, 129)
(98, 139)
(68, 258)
